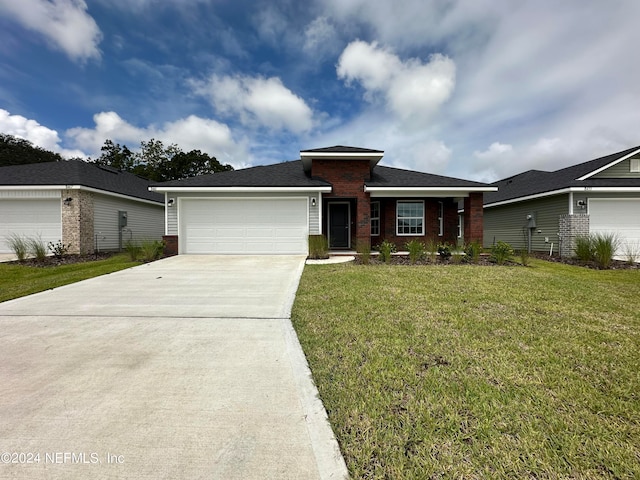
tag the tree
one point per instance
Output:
(18, 151)
(191, 164)
(115, 156)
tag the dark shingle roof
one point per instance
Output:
(535, 182)
(286, 174)
(341, 149)
(77, 172)
(396, 177)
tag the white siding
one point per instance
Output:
(145, 221)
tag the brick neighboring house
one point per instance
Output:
(79, 203)
(536, 210)
(340, 192)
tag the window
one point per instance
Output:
(634, 166)
(440, 218)
(375, 219)
(410, 218)
(460, 220)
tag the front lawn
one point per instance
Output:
(474, 372)
(19, 280)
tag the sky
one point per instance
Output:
(474, 89)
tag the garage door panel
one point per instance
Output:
(620, 216)
(30, 218)
(252, 226)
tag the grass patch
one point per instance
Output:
(20, 280)
(476, 372)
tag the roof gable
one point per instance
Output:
(78, 172)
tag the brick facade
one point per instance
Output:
(473, 224)
(348, 178)
(170, 245)
(77, 221)
(570, 227)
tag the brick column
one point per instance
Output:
(77, 221)
(473, 218)
(570, 227)
(170, 245)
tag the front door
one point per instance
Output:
(339, 225)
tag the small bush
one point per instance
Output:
(416, 250)
(37, 248)
(59, 249)
(151, 250)
(605, 246)
(19, 246)
(386, 248)
(524, 257)
(501, 252)
(444, 251)
(364, 250)
(584, 248)
(472, 251)
(133, 249)
(631, 252)
(431, 248)
(318, 247)
(457, 255)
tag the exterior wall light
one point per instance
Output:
(313, 202)
(170, 202)
(68, 200)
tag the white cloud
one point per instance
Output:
(412, 90)
(31, 130)
(65, 23)
(260, 101)
(191, 133)
(320, 37)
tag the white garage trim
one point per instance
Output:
(256, 225)
(32, 218)
(616, 215)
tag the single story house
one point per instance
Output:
(339, 192)
(536, 209)
(82, 204)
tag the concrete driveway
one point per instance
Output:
(183, 368)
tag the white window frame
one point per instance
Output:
(400, 234)
(440, 219)
(460, 220)
(634, 165)
(375, 233)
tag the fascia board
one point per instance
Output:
(377, 192)
(565, 190)
(80, 187)
(239, 189)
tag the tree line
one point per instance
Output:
(153, 161)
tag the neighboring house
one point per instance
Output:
(339, 192)
(536, 209)
(79, 203)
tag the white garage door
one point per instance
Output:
(617, 215)
(30, 218)
(244, 226)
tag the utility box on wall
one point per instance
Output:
(122, 219)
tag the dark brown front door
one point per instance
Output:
(339, 225)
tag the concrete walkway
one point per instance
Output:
(184, 368)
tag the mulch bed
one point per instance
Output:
(66, 260)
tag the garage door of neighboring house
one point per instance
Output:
(244, 226)
(617, 215)
(30, 218)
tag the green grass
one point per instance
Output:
(474, 372)
(20, 280)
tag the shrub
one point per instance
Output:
(318, 247)
(501, 252)
(416, 250)
(444, 251)
(59, 249)
(386, 248)
(364, 250)
(133, 249)
(457, 255)
(472, 250)
(431, 248)
(37, 248)
(524, 257)
(584, 248)
(604, 248)
(19, 246)
(631, 252)
(151, 250)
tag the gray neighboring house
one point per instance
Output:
(536, 209)
(86, 206)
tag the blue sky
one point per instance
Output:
(477, 89)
